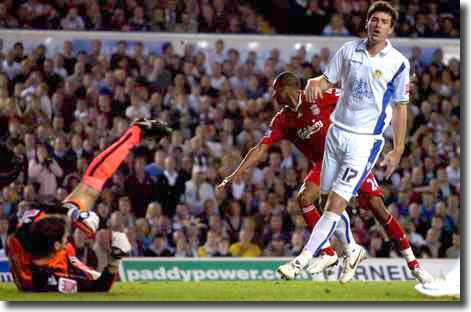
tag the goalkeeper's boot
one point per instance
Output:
(323, 262)
(153, 128)
(292, 269)
(420, 273)
(350, 264)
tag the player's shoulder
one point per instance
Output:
(352, 45)
(398, 57)
(280, 117)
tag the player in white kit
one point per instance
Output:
(374, 78)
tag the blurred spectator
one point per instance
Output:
(211, 247)
(4, 226)
(277, 247)
(72, 21)
(140, 187)
(454, 250)
(297, 243)
(143, 233)
(233, 220)
(126, 215)
(335, 27)
(158, 247)
(223, 248)
(197, 190)
(44, 171)
(244, 247)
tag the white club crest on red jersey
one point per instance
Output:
(315, 110)
(305, 133)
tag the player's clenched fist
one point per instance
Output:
(222, 186)
(313, 89)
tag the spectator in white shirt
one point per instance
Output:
(336, 27)
(217, 55)
(217, 79)
(170, 170)
(72, 21)
(59, 65)
(45, 100)
(44, 170)
(453, 171)
(9, 66)
(197, 190)
(137, 109)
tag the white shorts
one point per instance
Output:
(348, 159)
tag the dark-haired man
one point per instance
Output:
(372, 74)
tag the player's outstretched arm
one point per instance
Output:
(252, 157)
(399, 124)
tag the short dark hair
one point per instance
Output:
(45, 233)
(288, 78)
(385, 7)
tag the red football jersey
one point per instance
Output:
(306, 129)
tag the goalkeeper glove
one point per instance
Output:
(86, 221)
(120, 247)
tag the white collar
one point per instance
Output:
(362, 47)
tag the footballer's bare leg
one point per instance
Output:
(84, 196)
(308, 194)
(323, 231)
(335, 212)
(397, 234)
(344, 235)
(306, 197)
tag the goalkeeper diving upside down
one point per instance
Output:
(41, 258)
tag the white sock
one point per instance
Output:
(322, 232)
(344, 233)
(408, 254)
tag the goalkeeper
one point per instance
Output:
(41, 258)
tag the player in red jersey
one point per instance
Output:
(41, 258)
(305, 125)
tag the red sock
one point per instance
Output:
(106, 164)
(396, 233)
(413, 264)
(311, 216)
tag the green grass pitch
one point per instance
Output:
(235, 291)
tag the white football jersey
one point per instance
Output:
(369, 86)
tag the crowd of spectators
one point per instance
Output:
(434, 18)
(59, 112)
(220, 16)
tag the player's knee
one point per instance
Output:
(335, 203)
(83, 196)
(307, 195)
(379, 209)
